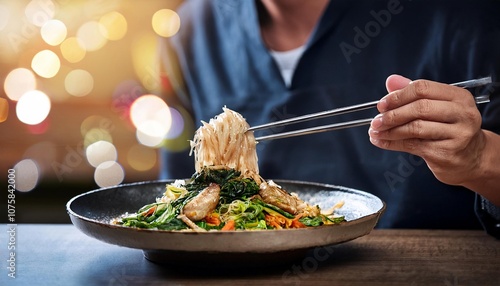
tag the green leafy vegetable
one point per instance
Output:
(271, 208)
(237, 205)
(246, 214)
(336, 220)
(319, 220)
(232, 185)
(311, 221)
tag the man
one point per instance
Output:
(426, 155)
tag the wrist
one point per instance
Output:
(485, 178)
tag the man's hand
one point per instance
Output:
(435, 121)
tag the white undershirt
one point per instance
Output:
(287, 62)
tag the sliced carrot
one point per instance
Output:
(213, 218)
(297, 217)
(276, 225)
(297, 224)
(230, 225)
(150, 211)
(272, 221)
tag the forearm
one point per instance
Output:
(485, 180)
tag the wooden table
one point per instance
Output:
(58, 254)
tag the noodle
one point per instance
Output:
(226, 192)
(224, 141)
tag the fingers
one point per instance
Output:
(396, 82)
(417, 129)
(421, 89)
(412, 146)
(423, 109)
(430, 151)
(438, 122)
(425, 120)
(422, 114)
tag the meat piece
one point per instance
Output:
(273, 194)
(203, 204)
(276, 196)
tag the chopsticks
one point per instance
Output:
(348, 109)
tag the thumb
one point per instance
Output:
(396, 82)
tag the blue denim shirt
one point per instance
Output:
(353, 49)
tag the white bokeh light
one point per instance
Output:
(100, 152)
(79, 83)
(151, 133)
(46, 64)
(33, 107)
(152, 118)
(53, 32)
(27, 175)
(91, 37)
(108, 174)
(19, 81)
(166, 22)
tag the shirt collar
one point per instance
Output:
(249, 19)
(326, 22)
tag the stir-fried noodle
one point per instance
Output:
(224, 141)
(226, 191)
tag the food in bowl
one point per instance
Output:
(226, 192)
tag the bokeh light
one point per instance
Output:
(141, 158)
(44, 154)
(124, 95)
(114, 25)
(53, 32)
(27, 175)
(4, 109)
(33, 107)
(177, 124)
(91, 37)
(149, 107)
(39, 128)
(79, 83)
(96, 128)
(72, 50)
(144, 57)
(181, 142)
(109, 174)
(166, 22)
(46, 64)
(18, 82)
(96, 122)
(39, 12)
(151, 133)
(62, 71)
(151, 116)
(95, 135)
(100, 152)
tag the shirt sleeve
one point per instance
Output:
(489, 216)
